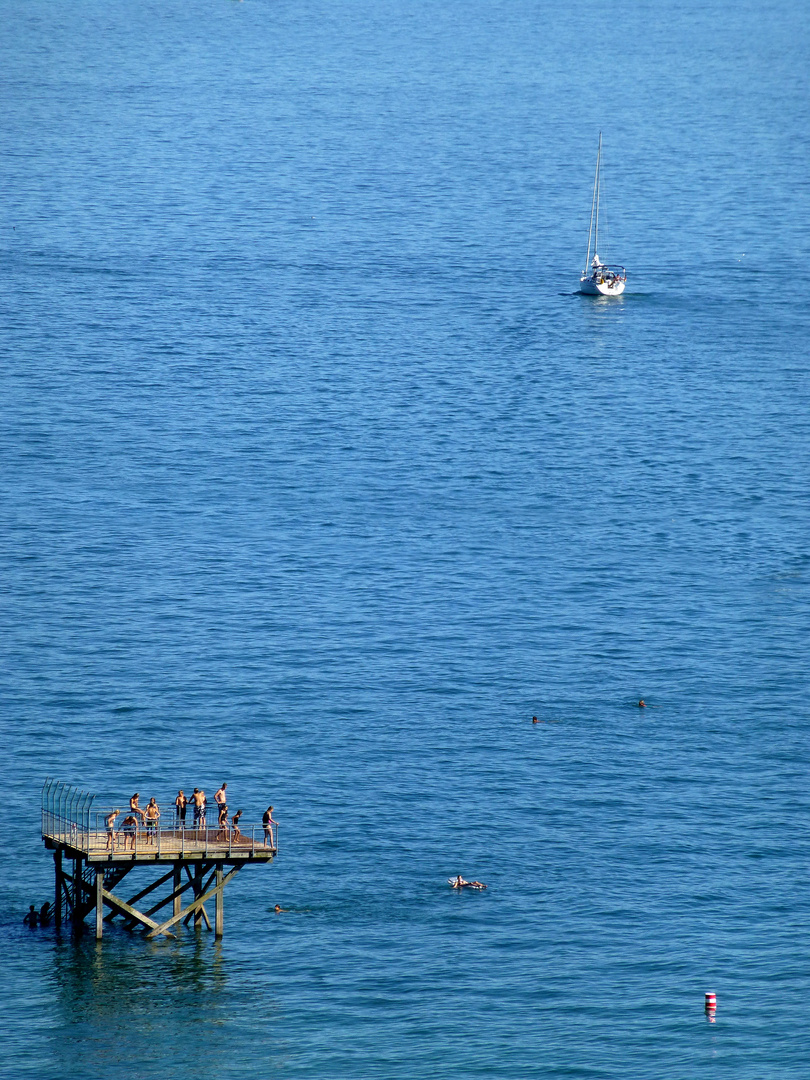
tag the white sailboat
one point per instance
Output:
(598, 278)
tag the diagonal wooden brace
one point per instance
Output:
(173, 895)
(199, 889)
(195, 904)
(120, 905)
(132, 913)
(149, 888)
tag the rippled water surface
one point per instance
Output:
(318, 477)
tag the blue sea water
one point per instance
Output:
(318, 477)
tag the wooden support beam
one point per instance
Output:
(145, 892)
(74, 886)
(191, 914)
(57, 892)
(196, 903)
(127, 909)
(77, 891)
(121, 905)
(149, 888)
(99, 902)
(174, 896)
(205, 888)
(176, 888)
(198, 874)
(195, 914)
(211, 877)
(199, 914)
(219, 894)
(67, 893)
(118, 873)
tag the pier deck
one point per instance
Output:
(163, 845)
(202, 860)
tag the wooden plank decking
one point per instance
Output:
(164, 845)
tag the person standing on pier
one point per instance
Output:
(198, 798)
(222, 822)
(181, 802)
(221, 800)
(235, 834)
(151, 818)
(267, 821)
(109, 825)
(130, 827)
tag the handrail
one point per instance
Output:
(169, 842)
(608, 266)
(71, 816)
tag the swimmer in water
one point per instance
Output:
(642, 704)
(279, 909)
(460, 883)
(535, 720)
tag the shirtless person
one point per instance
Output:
(222, 823)
(109, 823)
(133, 805)
(221, 799)
(198, 799)
(151, 818)
(267, 821)
(236, 835)
(130, 827)
(181, 802)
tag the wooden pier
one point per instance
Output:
(89, 867)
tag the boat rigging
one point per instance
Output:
(598, 278)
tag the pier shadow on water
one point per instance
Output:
(126, 1009)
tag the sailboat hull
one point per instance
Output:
(601, 288)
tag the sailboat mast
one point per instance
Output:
(597, 193)
(594, 206)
